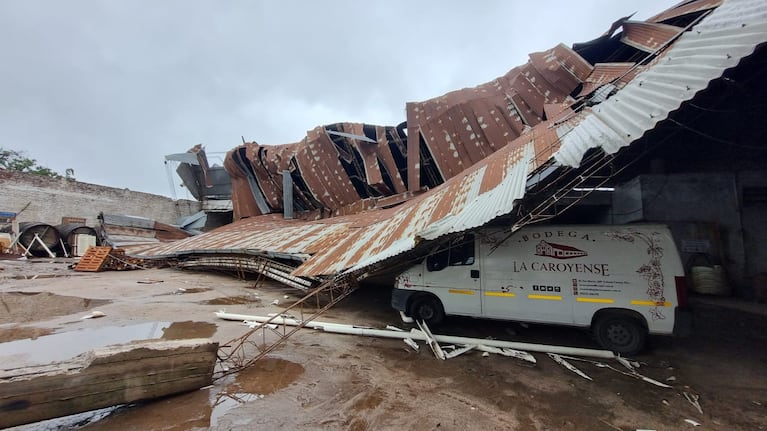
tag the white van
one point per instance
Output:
(622, 281)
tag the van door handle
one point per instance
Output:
(474, 273)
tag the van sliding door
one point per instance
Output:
(511, 290)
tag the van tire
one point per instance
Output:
(428, 309)
(620, 334)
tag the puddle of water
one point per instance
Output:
(185, 290)
(189, 329)
(22, 332)
(66, 345)
(233, 300)
(199, 409)
(266, 376)
(20, 306)
(38, 276)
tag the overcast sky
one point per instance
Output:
(107, 88)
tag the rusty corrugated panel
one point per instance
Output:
(483, 192)
(333, 167)
(606, 73)
(465, 126)
(321, 163)
(553, 62)
(684, 8)
(269, 188)
(648, 36)
(557, 111)
(386, 157)
(243, 202)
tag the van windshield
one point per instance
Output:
(458, 252)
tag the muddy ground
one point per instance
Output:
(326, 381)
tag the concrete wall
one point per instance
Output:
(50, 199)
(704, 210)
(754, 221)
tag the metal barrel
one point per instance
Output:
(48, 235)
(69, 230)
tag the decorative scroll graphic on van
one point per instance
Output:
(558, 251)
(651, 271)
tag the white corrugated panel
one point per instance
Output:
(718, 43)
(489, 205)
(477, 211)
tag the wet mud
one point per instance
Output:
(234, 300)
(327, 381)
(22, 307)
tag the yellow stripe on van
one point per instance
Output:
(598, 300)
(652, 303)
(461, 291)
(506, 294)
(548, 297)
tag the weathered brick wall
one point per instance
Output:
(51, 199)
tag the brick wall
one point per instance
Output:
(53, 198)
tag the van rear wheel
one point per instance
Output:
(428, 309)
(620, 334)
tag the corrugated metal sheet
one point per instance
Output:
(480, 194)
(606, 73)
(464, 126)
(333, 167)
(685, 8)
(730, 33)
(648, 36)
(489, 188)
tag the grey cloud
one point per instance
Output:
(108, 88)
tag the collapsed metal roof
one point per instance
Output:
(486, 143)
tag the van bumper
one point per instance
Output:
(682, 322)
(399, 299)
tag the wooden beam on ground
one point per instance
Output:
(105, 377)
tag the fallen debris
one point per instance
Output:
(93, 315)
(613, 426)
(559, 360)
(693, 399)
(513, 353)
(102, 258)
(429, 338)
(631, 365)
(633, 374)
(418, 335)
(459, 351)
(410, 342)
(692, 422)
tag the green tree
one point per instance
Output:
(12, 160)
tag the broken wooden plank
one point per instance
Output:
(105, 377)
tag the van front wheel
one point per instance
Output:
(428, 309)
(620, 334)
